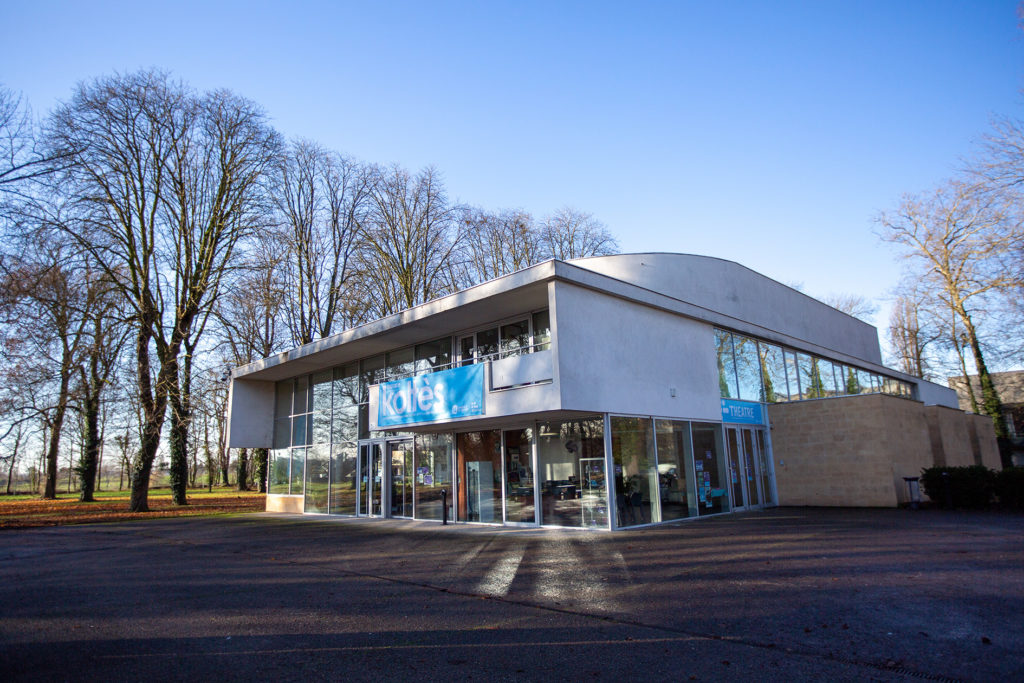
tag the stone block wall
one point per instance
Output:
(278, 503)
(856, 450)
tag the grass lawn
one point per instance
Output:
(21, 511)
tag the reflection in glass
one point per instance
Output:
(280, 462)
(809, 387)
(515, 338)
(486, 344)
(298, 467)
(479, 462)
(561, 449)
(748, 368)
(750, 466)
(773, 369)
(283, 433)
(433, 473)
(375, 480)
(322, 386)
(283, 398)
(792, 376)
(864, 380)
(708, 465)
(343, 480)
(636, 477)
(541, 331)
(828, 377)
(675, 483)
(301, 403)
(519, 502)
(433, 356)
(735, 468)
(852, 385)
(401, 363)
(300, 430)
(726, 365)
(317, 478)
(371, 371)
(346, 386)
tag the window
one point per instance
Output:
(541, 331)
(513, 338)
(773, 369)
(748, 368)
(726, 365)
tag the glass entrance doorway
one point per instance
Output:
(385, 489)
(370, 479)
(400, 457)
(749, 480)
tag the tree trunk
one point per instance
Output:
(154, 410)
(50, 485)
(180, 400)
(89, 461)
(243, 469)
(260, 457)
(990, 403)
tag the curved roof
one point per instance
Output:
(739, 292)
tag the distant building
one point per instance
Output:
(1010, 387)
(605, 392)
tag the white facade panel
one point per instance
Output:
(620, 357)
(525, 369)
(250, 414)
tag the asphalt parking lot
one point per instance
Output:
(790, 593)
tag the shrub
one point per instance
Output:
(968, 487)
(1009, 487)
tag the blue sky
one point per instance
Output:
(768, 133)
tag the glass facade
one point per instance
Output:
(570, 471)
(636, 471)
(754, 370)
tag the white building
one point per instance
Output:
(604, 392)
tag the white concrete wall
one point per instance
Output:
(619, 357)
(250, 414)
(747, 296)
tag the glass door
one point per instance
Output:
(520, 502)
(736, 469)
(371, 482)
(745, 467)
(750, 478)
(400, 457)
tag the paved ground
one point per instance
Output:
(787, 594)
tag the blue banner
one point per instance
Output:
(742, 412)
(458, 392)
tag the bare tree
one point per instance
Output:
(21, 159)
(953, 239)
(412, 236)
(497, 244)
(909, 338)
(141, 146)
(569, 234)
(852, 304)
(323, 199)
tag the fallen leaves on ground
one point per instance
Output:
(22, 513)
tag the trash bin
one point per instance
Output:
(914, 489)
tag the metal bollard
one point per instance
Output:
(444, 506)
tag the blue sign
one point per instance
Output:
(458, 392)
(742, 412)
